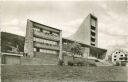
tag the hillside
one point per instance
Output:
(31, 73)
(9, 41)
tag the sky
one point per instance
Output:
(67, 16)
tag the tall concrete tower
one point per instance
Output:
(88, 31)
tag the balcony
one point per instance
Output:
(93, 28)
(46, 46)
(92, 39)
(46, 36)
(93, 44)
(93, 33)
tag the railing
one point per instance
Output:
(93, 37)
(93, 28)
(93, 43)
(94, 31)
(46, 46)
(46, 36)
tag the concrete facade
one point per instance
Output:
(87, 33)
(45, 43)
(43, 40)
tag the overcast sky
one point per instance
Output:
(67, 16)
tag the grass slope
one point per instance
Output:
(34, 72)
(9, 39)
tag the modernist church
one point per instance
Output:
(46, 42)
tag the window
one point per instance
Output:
(46, 32)
(41, 30)
(92, 33)
(92, 44)
(36, 29)
(125, 58)
(114, 56)
(48, 51)
(121, 55)
(37, 49)
(50, 32)
(93, 28)
(92, 39)
(121, 58)
(45, 41)
(116, 52)
(55, 34)
(114, 59)
(93, 22)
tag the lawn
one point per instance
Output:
(37, 73)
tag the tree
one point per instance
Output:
(76, 49)
(109, 57)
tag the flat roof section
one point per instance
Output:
(44, 25)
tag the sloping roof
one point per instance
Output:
(83, 32)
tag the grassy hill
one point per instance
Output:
(9, 40)
(31, 73)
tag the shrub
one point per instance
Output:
(117, 64)
(123, 63)
(96, 60)
(92, 64)
(70, 63)
(80, 63)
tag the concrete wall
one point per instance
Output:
(28, 48)
(40, 59)
(10, 59)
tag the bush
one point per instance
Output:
(97, 61)
(70, 63)
(80, 63)
(123, 63)
(92, 64)
(117, 64)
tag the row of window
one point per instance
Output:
(45, 41)
(45, 31)
(121, 59)
(45, 51)
(120, 55)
